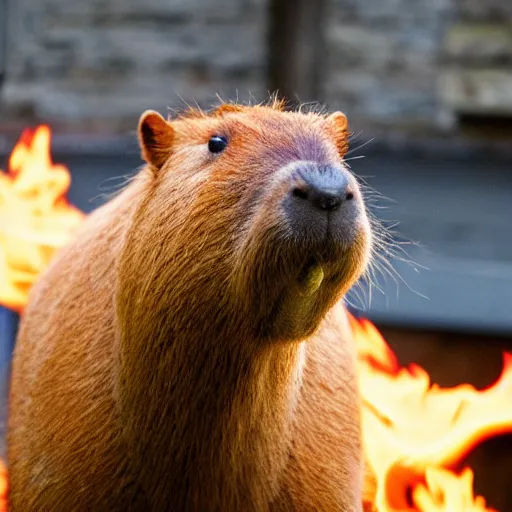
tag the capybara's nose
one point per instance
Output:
(322, 187)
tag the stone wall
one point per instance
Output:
(100, 63)
(413, 64)
(420, 63)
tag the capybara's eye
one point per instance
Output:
(217, 144)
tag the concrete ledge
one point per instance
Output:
(452, 295)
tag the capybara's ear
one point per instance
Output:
(155, 138)
(338, 124)
(227, 108)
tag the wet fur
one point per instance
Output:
(165, 360)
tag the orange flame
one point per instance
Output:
(35, 217)
(3, 488)
(413, 431)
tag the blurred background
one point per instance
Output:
(427, 88)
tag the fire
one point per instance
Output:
(414, 432)
(445, 491)
(35, 217)
(3, 488)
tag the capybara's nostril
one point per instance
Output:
(326, 198)
(301, 192)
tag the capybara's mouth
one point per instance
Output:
(322, 268)
(302, 301)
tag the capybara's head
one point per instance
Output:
(249, 219)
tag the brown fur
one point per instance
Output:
(168, 360)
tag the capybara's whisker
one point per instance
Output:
(357, 148)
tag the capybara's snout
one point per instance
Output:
(322, 203)
(322, 187)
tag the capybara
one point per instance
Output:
(190, 349)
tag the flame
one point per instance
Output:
(35, 217)
(414, 432)
(3, 488)
(444, 491)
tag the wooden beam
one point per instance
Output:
(296, 49)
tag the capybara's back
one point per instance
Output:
(189, 350)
